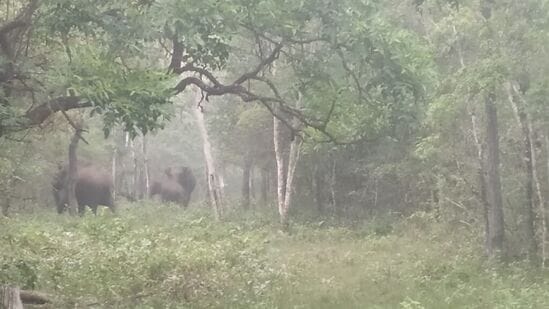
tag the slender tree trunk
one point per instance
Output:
(147, 178)
(264, 186)
(528, 159)
(252, 183)
(295, 147)
(285, 171)
(7, 203)
(215, 181)
(113, 170)
(541, 198)
(281, 180)
(481, 172)
(333, 180)
(73, 173)
(496, 227)
(125, 178)
(376, 191)
(135, 171)
(220, 170)
(545, 218)
(207, 187)
(246, 169)
(318, 189)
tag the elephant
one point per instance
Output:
(93, 187)
(176, 185)
(168, 189)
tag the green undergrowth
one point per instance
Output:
(158, 256)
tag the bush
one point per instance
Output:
(160, 256)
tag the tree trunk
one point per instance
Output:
(528, 159)
(264, 186)
(317, 184)
(246, 173)
(252, 183)
(73, 173)
(135, 172)
(535, 173)
(207, 187)
(482, 175)
(539, 193)
(496, 227)
(10, 298)
(147, 178)
(6, 205)
(113, 170)
(214, 180)
(333, 180)
(285, 172)
(293, 158)
(14, 298)
(545, 218)
(281, 180)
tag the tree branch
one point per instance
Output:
(40, 113)
(272, 57)
(77, 127)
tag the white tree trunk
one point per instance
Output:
(113, 170)
(72, 174)
(147, 176)
(285, 174)
(214, 179)
(135, 171)
(539, 194)
(295, 149)
(528, 157)
(281, 180)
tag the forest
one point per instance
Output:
(274, 154)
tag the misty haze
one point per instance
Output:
(274, 154)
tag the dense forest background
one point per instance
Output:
(423, 122)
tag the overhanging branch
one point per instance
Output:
(41, 112)
(38, 114)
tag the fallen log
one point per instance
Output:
(11, 297)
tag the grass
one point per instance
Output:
(151, 256)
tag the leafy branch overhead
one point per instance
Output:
(112, 56)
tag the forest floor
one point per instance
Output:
(151, 256)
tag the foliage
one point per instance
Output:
(189, 260)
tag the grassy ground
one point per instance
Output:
(161, 257)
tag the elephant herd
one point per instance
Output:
(94, 187)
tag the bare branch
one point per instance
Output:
(191, 68)
(272, 57)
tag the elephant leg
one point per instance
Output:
(81, 209)
(61, 208)
(186, 200)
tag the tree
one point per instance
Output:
(214, 180)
